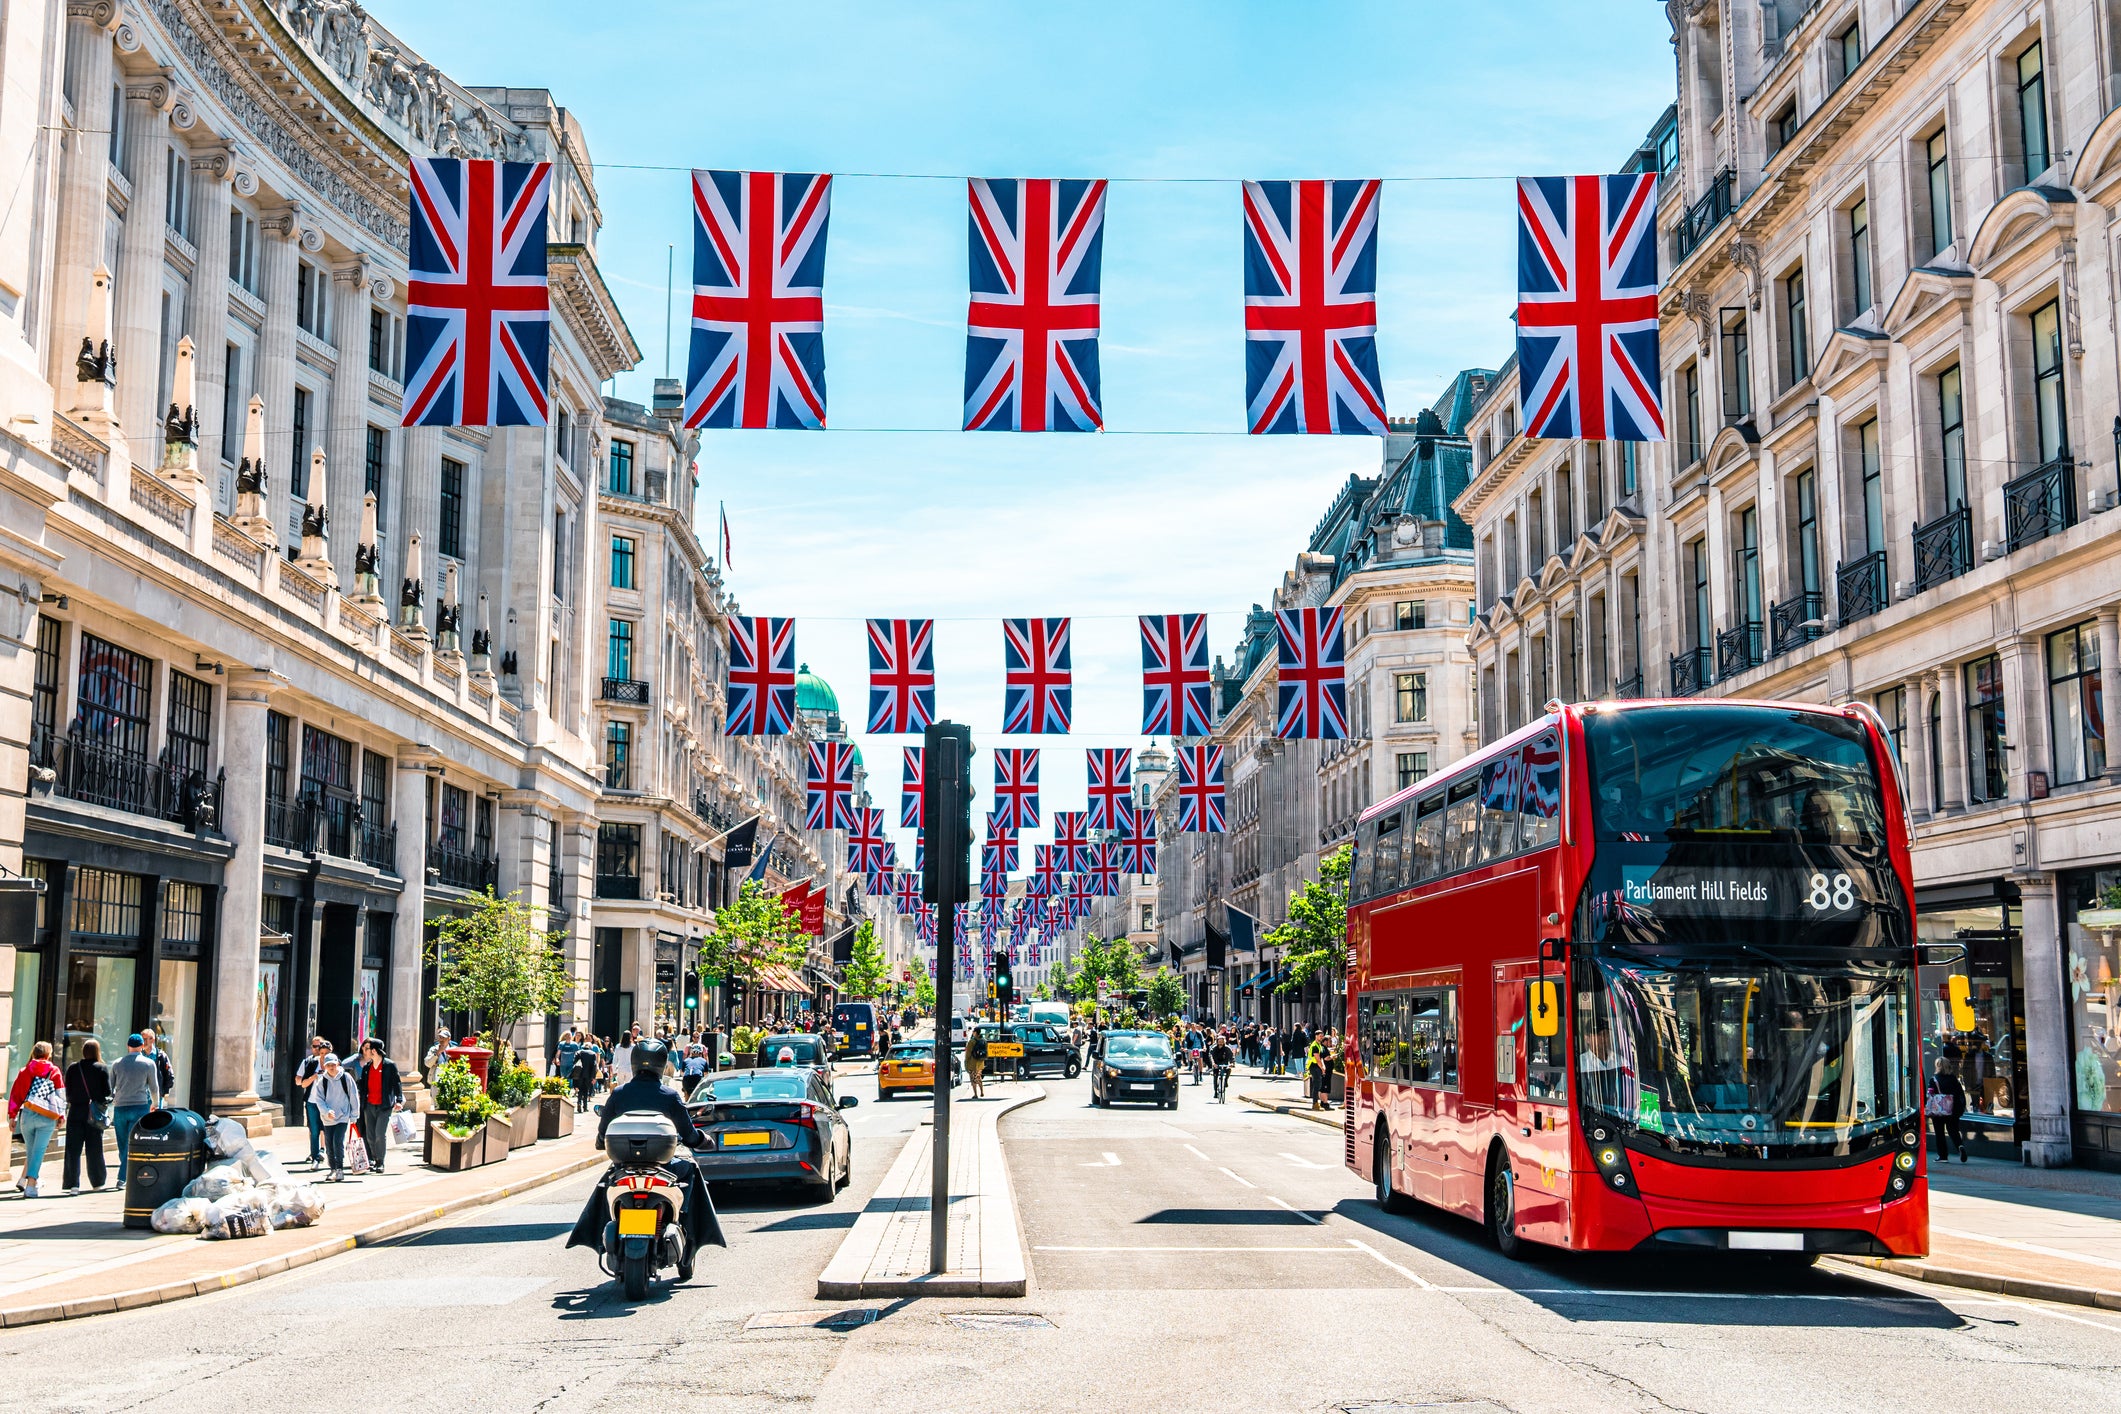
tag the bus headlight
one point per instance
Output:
(1612, 1161)
(1900, 1173)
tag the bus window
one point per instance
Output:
(1546, 1065)
(1359, 864)
(1385, 876)
(1498, 808)
(1426, 860)
(1461, 831)
(1380, 1035)
(1431, 1037)
(1541, 793)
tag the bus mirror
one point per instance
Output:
(1958, 988)
(1545, 1011)
(1943, 954)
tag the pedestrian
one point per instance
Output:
(976, 1062)
(36, 1102)
(622, 1056)
(695, 1067)
(437, 1054)
(1947, 1104)
(87, 1116)
(1315, 1073)
(337, 1104)
(306, 1076)
(563, 1058)
(382, 1095)
(584, 1075)
(163, 1068)
(135, 1089)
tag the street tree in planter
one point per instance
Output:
(868, 972)
(924, 993)
(496, 963)
(1314, 939)
(1167, 995)
(751, 934)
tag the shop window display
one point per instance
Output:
(1985, 1059)
(2091, 909)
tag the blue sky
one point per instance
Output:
(1173, 509)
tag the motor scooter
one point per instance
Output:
(646, 1230)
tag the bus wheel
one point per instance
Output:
(1502, 1206)
(1381, 1171)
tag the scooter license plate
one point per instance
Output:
(637, 1222)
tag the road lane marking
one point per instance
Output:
(1313, 1251)
(2025, 1246)
(1247, 1183)
(1306, 1163)
(1315, 1222)
(1420, 1281)
(1203, 1157)
(2040, 1311)
(1110, 1161)
(1674, 1295)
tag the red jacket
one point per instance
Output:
(19, 1091)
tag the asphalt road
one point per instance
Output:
(1212, 1257)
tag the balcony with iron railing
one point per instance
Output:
(2040, 503)
(1706, 214)
(621, 886)
(1628, 688)
(96, 773)
(461, 868)
(1792, 623)
(1944, 548)
(1738, 650)
(379, 847)
(1860, 588)
(290, 824)
(1692, 671)
(629, 690)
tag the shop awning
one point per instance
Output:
(776, 978)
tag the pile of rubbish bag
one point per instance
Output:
(243, 1193)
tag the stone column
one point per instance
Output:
(136, 322)
(2024, 714)
(1919, 746)
(2110, 682)
(2047, 1063)
(347, 441)
(235, 1034)
(84, 183)
(279, 234)
(1951, 714)
(408, 933)
(213, 176)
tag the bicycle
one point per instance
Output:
(1195, 1059)
(1222, 1083)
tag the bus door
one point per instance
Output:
(1531, 1098)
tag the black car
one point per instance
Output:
(1045, 1049)
(774, 1124)
(1134, 1065)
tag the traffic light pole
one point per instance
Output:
(946, 814)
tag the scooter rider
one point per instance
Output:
(645, 1094)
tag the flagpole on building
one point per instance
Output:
(670, 266)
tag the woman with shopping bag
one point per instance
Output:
(381, 1097)
(36, 1103)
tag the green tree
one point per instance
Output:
(1063, 982)
(1314, 940)
(1167, 995)
(497, 964)
(1123, 967)
(868, 972)
(924, 993)
(750, 935)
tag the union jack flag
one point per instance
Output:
(761, 697)
(1071, 842)
(478, 310)
(1138, 845)
(909, 791)
(1200, 789)
(1038, 679)
(909, 891)
(925, 924)
(997, 858)
(828, 786)
(1031, 333)
(901, 675)
(1045, 870)
(1111, 788)
(988, 926)
(1104, 870)
(992, 882)
(866, 843)
(1311, 308)
(758, 300)
(1587, 308)
(1311, 675)
(1175, 675)
(1016, 787)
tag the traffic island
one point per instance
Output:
(886, 1253)
(1296, 1105)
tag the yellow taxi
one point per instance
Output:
(909, 1066)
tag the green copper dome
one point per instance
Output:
(813, 693)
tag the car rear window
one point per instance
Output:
(759, 1086)
(913, 1053)
(807, 1051)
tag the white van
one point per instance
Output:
(1050, 1013)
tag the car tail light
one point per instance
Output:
(805, 1116)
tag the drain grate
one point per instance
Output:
(998, 1321)
(853, 1318)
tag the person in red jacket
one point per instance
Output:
(36, 1102)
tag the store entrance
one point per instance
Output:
(1989, 1059)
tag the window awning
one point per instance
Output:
(775, 978)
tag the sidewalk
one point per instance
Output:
(886, 1252)
(66, 1257)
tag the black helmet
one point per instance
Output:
(650, 1058)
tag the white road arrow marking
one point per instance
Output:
(1111, 1161)
(1306, 1163)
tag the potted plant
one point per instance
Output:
(555, 1108)
(454, 1144)
(475, 1132)
(515, 1091)
(744, 1046)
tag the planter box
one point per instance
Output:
(523, 1126)
(500, 1137)
(745, 1060)
(448, 1152)
(555, 1116)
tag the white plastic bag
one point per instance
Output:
(264, 1168)
(216, 1182)
(180, 1215)
(296, 1206)
(403, 1131)
(225, 1137)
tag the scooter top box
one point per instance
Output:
(640, 1139)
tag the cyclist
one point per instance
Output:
(1222, 1058)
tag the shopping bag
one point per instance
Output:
(356, 1151)
(403, 1131)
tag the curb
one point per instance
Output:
(1296, 1107)
(2059, 1292)
(286, 1261)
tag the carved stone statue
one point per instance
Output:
(250, 477)
(314, 517)
(447, 617)
(181, 425)
(96, 364)
(481, 643)
(364, 559)
(412, 595)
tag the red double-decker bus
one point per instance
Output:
(1642, 975)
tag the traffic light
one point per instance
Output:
(946, 809)
(1004, 990)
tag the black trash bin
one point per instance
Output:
(168, 1150)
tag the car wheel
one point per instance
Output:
(1070, 1071)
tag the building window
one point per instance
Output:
(1797, 330)
(2076, 714)
(1698, 567)
(1749, 567)
(313, 300)
(1892, 710)
(1630, 467)
(328, 785)
(298, 467)
(1782, 127)
(619, 659)
(2032, 111)
(1936, 153)
(1690, 408)
(1808, 531)
(277, 755)
(176, 203)
(1148, 917)
(451, 539)
(1987, 772)
(482, 827)
(243, 250)
(618, 861)
(375, 789)
(1848, 51)
(183, 912)
(2050, 401)
(1871, 472)
(113, 692)
(44, 691)
(621, 482)
(374, 457)
(451, 821)
(191, 720)
(1413, 766)
(618, 756)
(1411, 697)
(1737, 369)
(107, 906)
(1859, 257)
(622, 547)
(1410, 613)
(1951, 438)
